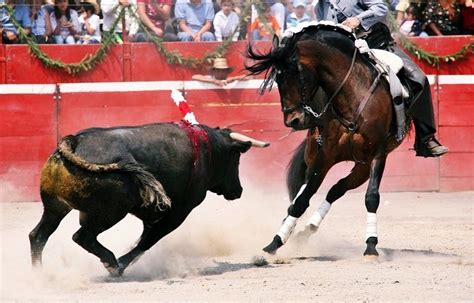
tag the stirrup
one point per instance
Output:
(430, 147)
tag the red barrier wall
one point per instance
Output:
(32, 119)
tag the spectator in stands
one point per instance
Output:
(467, 10)
(154, 14)
(226, 22)
(194, 20)
(412, 24)
(64, 23)
(278, 11)
(110, 11)
(443, 17)
(90, 25)
(264, 29)
(40, 16)
(219, 74)
(9, 31)
(299, 14)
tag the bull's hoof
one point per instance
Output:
(274, 246)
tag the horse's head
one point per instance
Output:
(296, 80)
(293, 65)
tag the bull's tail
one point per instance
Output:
(296, 171)
(151, 190)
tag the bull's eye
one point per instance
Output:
(279, 71)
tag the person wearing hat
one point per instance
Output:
(90, 25)
(219, 74)
(298, 15)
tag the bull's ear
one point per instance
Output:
(241, 147)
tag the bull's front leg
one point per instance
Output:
(297, 208)
(152, 233)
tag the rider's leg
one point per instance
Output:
(421, 109)
(426, 144)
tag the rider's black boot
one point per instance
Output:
(425, 143)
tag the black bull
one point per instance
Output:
(157, 172)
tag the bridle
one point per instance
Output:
(304, 102)
(350, 125)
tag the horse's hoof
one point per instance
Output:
(273, 246)
(114, 271)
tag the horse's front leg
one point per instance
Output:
(358, 175)
(372, 200)
(298, 206)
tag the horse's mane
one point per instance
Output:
(278, 57)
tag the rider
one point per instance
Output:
(366, 18)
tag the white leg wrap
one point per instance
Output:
(299, 193)
(320, 214)
(287, 228)
(371, 225)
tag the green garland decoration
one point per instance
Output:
(86, 64)
(173, 57)
(421, 54)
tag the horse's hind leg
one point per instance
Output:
(54, 211)
(372, 199)
(92, 224)
(358, 175)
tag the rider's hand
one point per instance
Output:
(352, 22)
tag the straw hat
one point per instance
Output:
(220, 63)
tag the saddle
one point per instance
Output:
(390, 66)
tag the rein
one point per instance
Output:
(350, 125)
(305, 102)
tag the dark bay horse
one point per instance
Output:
(329, 88)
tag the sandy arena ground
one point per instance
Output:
(425, 245)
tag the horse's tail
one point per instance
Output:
(296, 171)
(151, 190)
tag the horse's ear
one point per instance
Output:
(276, 41)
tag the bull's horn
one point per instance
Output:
(243, 138)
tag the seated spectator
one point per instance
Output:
(9, 32)
(262, 29)
(299, 14)
(64, 23)
(110, 11)
(194, 20)
(90, 25)
(226, 22)
(154, 14)
(278, 10)
(41, 21)
(442, 17)
(412, 24)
